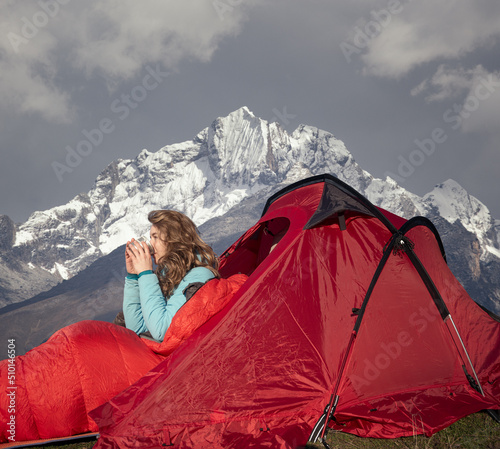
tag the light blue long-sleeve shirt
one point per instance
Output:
(145, 307)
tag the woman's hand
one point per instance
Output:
(137, 257)
(129, 265)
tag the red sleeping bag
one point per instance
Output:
(87, 363)
(207, 301)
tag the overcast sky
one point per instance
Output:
(411, 87)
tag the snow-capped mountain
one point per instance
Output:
(235, 158)
(454, 204)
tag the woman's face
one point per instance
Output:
(158, 244)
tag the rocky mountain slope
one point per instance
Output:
(234, 159)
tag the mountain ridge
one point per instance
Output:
(232, 159)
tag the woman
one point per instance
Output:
(183, 259)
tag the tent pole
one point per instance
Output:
(335, 397)
(442, 308)
(449, 317)
(319, 429)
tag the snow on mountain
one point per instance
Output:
(232, 159)
(455, 204)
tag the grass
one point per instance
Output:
(80, 445)
(477, 431)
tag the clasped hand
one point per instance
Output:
(137, 257)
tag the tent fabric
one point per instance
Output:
(59, 382)
(87, 363)
(347, 308)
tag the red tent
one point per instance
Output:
(350, 317)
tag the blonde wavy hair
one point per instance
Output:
(185, 249)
